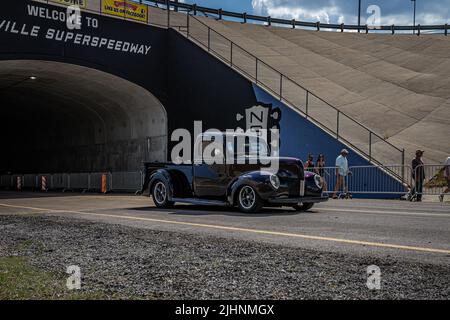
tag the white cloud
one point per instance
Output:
(326, 13)
(397, 12)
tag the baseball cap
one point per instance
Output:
(345, 151)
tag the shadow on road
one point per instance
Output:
(193, 210)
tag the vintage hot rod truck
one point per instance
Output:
(242, 182)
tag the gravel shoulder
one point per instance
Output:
(126, 262)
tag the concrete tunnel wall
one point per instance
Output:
(73, 118)
(90, 108)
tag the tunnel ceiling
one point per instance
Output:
(73, 106)
(69, 96)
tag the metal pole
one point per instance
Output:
(168, 13)
(209, 39)
(403, 165)
(187, 22)
(307, 103)
(256, 71)
(281, 86)
(337, 124)
(231, 54)
(414, 17)
(359, 17)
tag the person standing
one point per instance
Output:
(320, 170)
(418, 174)
(447, 178)
(341, 173)
(309, 164)
(320, 166)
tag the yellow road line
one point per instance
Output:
(401, 213)
(254, 231)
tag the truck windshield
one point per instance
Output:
(248, 147)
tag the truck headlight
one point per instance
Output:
(318, 180)
(275, 181)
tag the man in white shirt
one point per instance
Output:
(341, 172)
(447, 177)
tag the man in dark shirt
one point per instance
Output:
(418, 174)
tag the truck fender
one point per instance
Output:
(164, 176)
(256, 179)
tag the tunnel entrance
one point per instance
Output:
(58, 117)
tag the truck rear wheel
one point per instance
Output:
(249, 200)
(160, 195)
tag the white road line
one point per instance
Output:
(245, 230)
(401, 213)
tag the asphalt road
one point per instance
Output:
(417, 232)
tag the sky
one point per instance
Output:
(399, 12)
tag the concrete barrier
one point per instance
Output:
(126, 181)
(6, 181)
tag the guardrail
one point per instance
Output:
(268, 20)
(84, 182)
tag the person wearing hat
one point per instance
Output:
(418, 174)
(341, 172)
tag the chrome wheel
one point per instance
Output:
(160, 193)
(247, 198)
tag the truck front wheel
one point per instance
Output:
(249, 200)
(160, 195)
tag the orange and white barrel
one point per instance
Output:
(19, 183)
(104, 188)
(44, 183)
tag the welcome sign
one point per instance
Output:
(125, 9)
(49, 25)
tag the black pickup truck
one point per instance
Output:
(241, 182)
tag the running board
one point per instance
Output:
(201, 202)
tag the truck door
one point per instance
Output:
(210, 180)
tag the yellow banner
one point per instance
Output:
(127, 9)
(80, 3)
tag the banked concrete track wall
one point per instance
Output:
(398, 86)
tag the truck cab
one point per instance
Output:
(234, 169)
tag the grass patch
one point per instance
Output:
(20, 281)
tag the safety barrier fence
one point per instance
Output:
(85, 182)
(384, 180)
(433, 178)
(363, 180)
